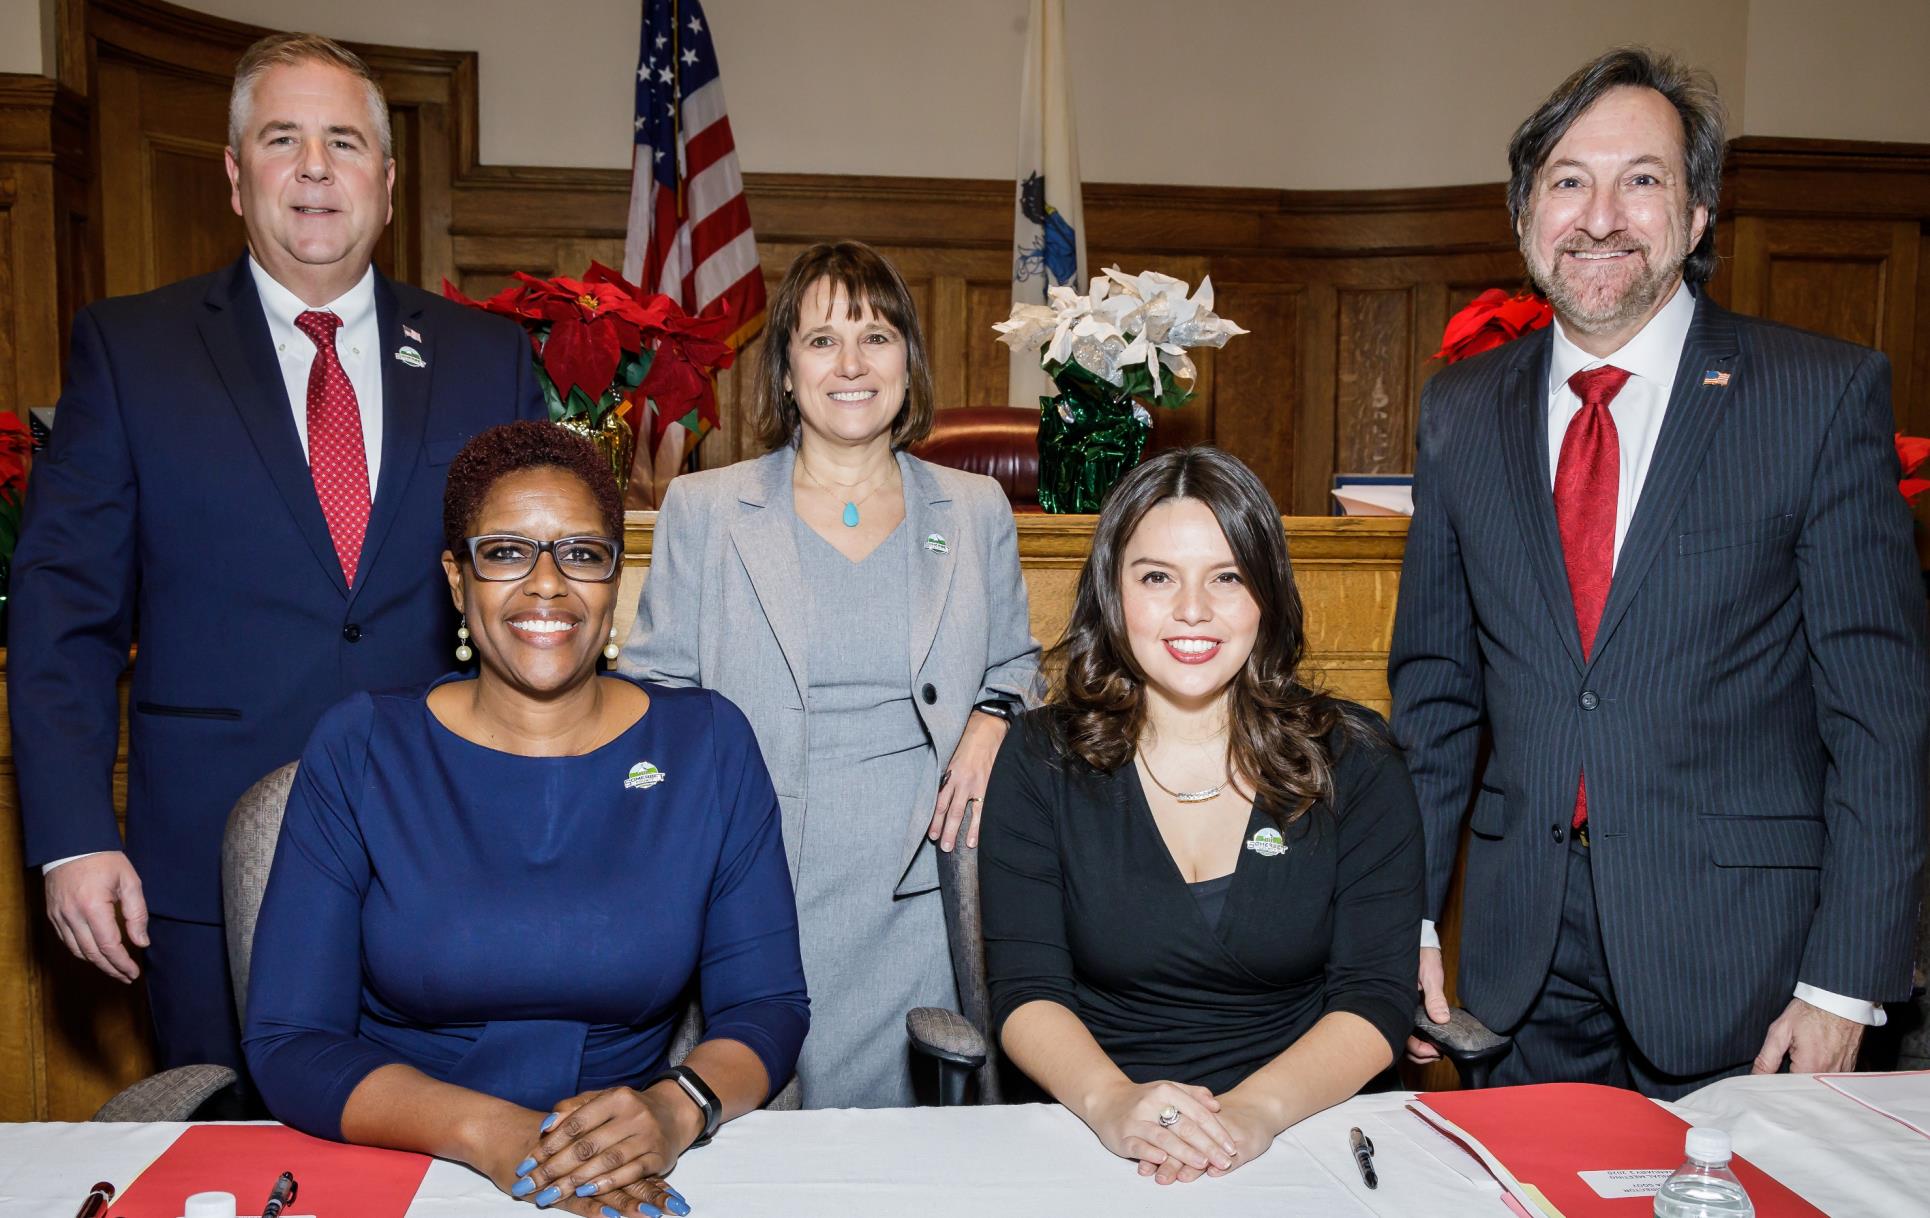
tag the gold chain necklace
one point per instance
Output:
(1185, 797)
(850, 516)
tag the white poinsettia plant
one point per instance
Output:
(1131, 332)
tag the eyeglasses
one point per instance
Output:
(505, 556)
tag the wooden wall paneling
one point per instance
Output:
(1314, 424)
(1373, 421)
(1257, 384)
(1913, 414)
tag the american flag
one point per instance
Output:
(690, 231)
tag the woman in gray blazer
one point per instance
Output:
(866, 611)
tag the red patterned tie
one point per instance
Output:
(337, 459)
(1588, 480)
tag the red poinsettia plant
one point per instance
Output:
(1911, 452)
(602, 344)
(1492, 319)
(16, 443)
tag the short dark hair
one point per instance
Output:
(512, 448)
(867, 279)
(1277, 721)
(1691, 91)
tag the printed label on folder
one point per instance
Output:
(1627, 1181)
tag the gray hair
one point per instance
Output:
(287, 50)
(1691, 91)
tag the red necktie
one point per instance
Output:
(1588, 480)
(337, 459)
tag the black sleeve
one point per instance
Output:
(1378, 888)
(1021, 885)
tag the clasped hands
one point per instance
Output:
(1212, 1136)
(601, 1154)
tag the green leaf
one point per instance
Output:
(580, 405)
(550, 397)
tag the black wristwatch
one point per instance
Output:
(700, 1094)
(998, 708)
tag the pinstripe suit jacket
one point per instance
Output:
(1753, 716)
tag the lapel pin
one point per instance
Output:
(412, 332)
(642, 777)
(411, 357)
(1267, 843)
(1719, 379)
(935, 542)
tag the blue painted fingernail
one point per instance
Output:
(550, 1195)
(523, 1187)
(673, 1192)
(677, 1205)
(549, 1122)
(649, 1210)
(526, 1166)
(584, 1190)
(607, 1212)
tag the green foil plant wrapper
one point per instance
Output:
(1109, 352)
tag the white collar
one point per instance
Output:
(354, 307)
(1652, 354)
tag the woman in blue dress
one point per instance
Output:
(491, 896)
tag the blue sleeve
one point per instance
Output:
(305, 979)
(751, 975)
(73, 612)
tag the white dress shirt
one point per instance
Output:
(358, 344)
(1650, 359)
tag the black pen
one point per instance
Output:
(96, 1201)
(1364, 1157)
(280, 1196)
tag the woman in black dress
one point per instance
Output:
(1202, 879)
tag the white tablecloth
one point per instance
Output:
(1038, 1159)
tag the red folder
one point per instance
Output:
(1545, 1135)
(332, 1180)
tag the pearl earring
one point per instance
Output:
(610, 649)
(464, 652)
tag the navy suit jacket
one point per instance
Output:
(1752, 718)
(175, 494)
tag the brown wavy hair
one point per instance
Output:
(1276, 720)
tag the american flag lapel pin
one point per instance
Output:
(412, 332)
(1719, 379)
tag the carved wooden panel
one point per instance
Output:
(1259, 387)
(1374, 419)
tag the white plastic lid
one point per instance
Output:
(209, 1205)
(1704, 1145)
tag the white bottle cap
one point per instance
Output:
(1704, 1145)
(209, 1205)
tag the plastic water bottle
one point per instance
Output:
(1704, 1187)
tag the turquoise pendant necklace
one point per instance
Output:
(850, 516)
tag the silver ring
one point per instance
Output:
(1168, 1117)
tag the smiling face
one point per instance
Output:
(1190, 618)
(540, 634)
(309, 179)
(847, 374)
(1608, 223)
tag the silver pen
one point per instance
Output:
(1364, 1157)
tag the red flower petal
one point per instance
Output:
(582, 353)
(1911, 451)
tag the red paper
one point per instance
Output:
(1544, 1135)
(332, 1180)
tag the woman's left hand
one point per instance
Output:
(615, 1145)
(1252, 1127)
(961, 792)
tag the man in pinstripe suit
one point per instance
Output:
(1661, 633)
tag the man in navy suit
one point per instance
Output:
(1661, 633)
(249, 467)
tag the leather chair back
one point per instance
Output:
(1001, 442)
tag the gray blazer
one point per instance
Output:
(721, 608)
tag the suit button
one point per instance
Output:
(929, 694)
(1590, 700)
(352, 633)
(1558, 833)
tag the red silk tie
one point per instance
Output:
(1588, 479)
(337, 458)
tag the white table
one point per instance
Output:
(1038, 1159)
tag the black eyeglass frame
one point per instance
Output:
(616, 556)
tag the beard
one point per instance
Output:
(1598, 303)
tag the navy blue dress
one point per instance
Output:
(527, 927)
